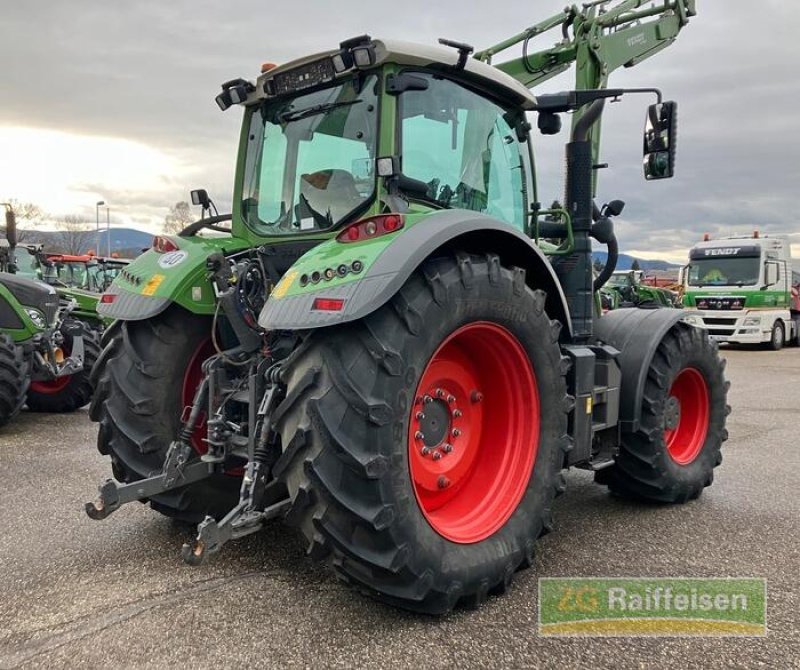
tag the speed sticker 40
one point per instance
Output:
(171, 259)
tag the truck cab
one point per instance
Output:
(739, 289)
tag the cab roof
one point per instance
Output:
(422, 56)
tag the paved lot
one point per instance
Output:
(74, 592)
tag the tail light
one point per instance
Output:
(108, 298)
(163, 245)
(368, 229)
(328, 304)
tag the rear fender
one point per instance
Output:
(387, 263)
(636, 333)
(148, 285)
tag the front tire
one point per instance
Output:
(777, 338)
(363, 494)
(672, 455)
(14, 378)
(146, 374)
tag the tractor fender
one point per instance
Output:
(636, 333)
(441, 232)
(151, 283)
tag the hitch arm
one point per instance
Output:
(175, 474)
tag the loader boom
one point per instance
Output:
(598, 39)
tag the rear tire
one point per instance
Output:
(138, 403)
(672, 456)
(69, 393)
(14, 378)
(348, 434)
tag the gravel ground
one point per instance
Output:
(75, 592)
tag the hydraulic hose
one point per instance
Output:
(611, 264)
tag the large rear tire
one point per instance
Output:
(423, 445)
(14, 378)
(672, 455)
(146, 374)
(66, 394)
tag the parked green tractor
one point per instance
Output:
(625, 288)
(45, 354)
(397, 350)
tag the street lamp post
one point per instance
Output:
(97, 206)
(108, 231)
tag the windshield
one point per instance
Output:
(724, 272)
(27, 263)
(309, 163)
(619, 280)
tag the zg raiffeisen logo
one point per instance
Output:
(652, 607)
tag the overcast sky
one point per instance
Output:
(115, 101)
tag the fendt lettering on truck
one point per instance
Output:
(739, 289)
(397, 350)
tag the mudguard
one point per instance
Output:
(636, 333)
(148, 285)
(387, 262)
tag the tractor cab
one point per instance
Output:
(381, 126)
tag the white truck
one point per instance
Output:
(739, 289)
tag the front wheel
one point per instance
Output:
(423, 444)
(672, 455)
(777, 337)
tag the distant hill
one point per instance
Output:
(625, 261)
(128, 242)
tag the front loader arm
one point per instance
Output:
(599, 40)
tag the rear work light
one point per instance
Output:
(328, 304)
(375, 226)
(164, 245)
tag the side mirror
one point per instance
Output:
(200, 197)
(772, 272)
(613, 208)
(660, 139)
(11, 227)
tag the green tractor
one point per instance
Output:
(396, 350)
(625, 288)
(46, 355)
(83, 278)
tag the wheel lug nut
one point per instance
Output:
(436, 455)
(419, 435)
(439, 393)
(443, 482)
(419, 416)
(451, 399)
(457, 414)
(427, 400)
(476, 396)
(447, 448)
(425, 451)
(456, 432)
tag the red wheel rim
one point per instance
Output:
(687, 416)
(52, 386)
(477, 400)
(191, 380)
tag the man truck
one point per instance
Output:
(739, 289)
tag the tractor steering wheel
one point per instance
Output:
(209, 222)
